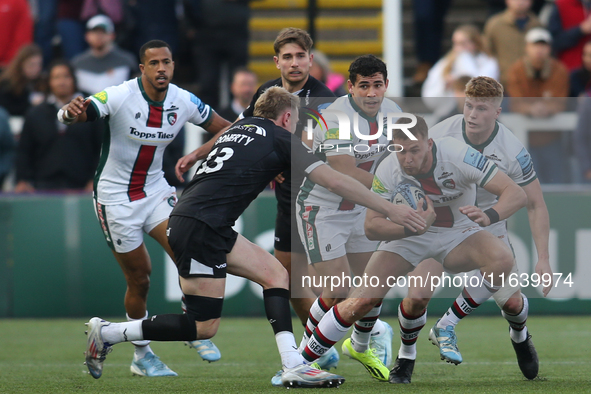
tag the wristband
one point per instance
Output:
(409, 233)
(492, 215)
(64, 118)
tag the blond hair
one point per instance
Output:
(473, 34)
(485, 88)
(293, 35)
(273, 102)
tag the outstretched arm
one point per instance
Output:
(74, 111)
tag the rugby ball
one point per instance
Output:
(410, 195)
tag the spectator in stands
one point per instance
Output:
(580, 79)
(44, 31)
(16, 29)
(537, 74)
(20, 82)
(570, 25)
(220, 31)
(582, 137)
(321, 70)
(7, 146)
(104, 64)
(466, 58)
(459, 89)
(244, 85)
(70, 27)
(504, 34)
(51, 155)
(429, 17)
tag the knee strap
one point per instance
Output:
(203, 308)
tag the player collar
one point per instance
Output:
(480, 147)
(430, 172)
(360, 111)
(147, 98)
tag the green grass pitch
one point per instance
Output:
(45, 356)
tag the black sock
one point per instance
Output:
(277, 309)
(171, 327)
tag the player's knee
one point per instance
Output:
(139, 283)
(502, 259)
(277, 278)
(206, 312)
(513, 305)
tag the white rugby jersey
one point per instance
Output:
(367, 153)
(502, 148)
(137, 132)
(450, 183)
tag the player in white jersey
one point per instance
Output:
(454, 238)
(131, 196)
(479, 128)
(330, 227)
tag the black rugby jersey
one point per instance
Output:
(316, 96)
(242, 162)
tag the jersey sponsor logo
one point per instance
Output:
(475, 159)
(252, 128)
(377, 186)
(525, 162)
(171, 117)
(146, 136)
(102, 97)
(445, 174)
(200, 104)
(493, 157)
(332, 134)
(449, 183)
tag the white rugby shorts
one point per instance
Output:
(123, 225)
(329, 233)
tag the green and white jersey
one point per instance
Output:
(136, 134)
(327, 142)
(450, 183)
(502, 148)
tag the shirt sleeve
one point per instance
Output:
(201, 112)
(521, 170)
(476, 167)
(383, 180)
(107, 102)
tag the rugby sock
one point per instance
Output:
(279, 316)
(122, 332)
(331, 329)
(362, 329)
(410, 327)
(317, 312)
(141, 347)
(378, 329)
(170, 327)
(518, 330)
(470, 299)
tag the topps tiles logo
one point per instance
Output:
(348, 124)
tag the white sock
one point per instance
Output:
(141, 348)
(122, 332)
(290, 357)
(363, 328)
(410, 327)
(317, 312)
(378, 329)
(518, 330)
(470, 299)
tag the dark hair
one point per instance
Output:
(56, 63)
(242, 69)
(366, 66)
(152, 44)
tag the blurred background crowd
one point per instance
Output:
(53, 50)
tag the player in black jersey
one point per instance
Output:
(244, 160)
(293, 58)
